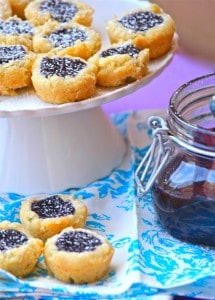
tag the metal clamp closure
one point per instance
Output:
(156, 156)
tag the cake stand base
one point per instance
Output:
(54, 153)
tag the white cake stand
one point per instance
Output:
(48, 148)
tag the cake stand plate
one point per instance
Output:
(48, 148)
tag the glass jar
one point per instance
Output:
(179, 168)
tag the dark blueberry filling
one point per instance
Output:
(141, 21)
(15, 27)
(52, 207)
(61, 66)
(8, 53)
(66, 37)
(59, 10)
(77, 241)
(126, 49)
(11, 238)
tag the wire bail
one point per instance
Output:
(156, 156)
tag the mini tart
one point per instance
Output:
(5, 9)
(16, 31)
(148, 28)
(44, 217)
(19, 252)
(120, 64)
(15, 68)
(64, 79)
(71, 39)
(60, 11)
(78, 255)
(18, 7)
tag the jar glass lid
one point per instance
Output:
(191, 113)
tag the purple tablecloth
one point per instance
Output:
(156, 94)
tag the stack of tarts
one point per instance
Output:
(51, 45)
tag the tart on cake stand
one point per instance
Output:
(48, 148)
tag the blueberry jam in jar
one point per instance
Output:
(183, 184)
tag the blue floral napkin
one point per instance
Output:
(147, 260)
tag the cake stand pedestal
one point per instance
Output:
(48, 154)
(48, 148)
